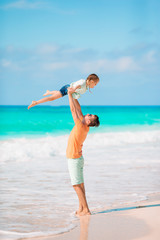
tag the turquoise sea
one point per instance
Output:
(19, 121)
(121, 165)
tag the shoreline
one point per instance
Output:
(139, 221)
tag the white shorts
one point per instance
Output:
(75, 167)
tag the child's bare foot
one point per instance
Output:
(47, 93)
(32, 104)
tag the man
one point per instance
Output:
(74, 150)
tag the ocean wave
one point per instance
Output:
(16, 235)
(25, 149)
(126, 137)
(10, 235)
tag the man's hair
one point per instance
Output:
(93, 77)
(95, 122)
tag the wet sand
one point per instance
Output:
(140, 223)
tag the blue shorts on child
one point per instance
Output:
(64, 90)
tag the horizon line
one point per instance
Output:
(6, 105)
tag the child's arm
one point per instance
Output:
(75, 88)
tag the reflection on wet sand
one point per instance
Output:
(84, 224)
(85, 220)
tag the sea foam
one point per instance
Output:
(28, 149)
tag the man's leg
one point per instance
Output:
(82, 200)
(82, 186)
(80, 204)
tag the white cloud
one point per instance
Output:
(10, 65)
(5, 63)
(126, 64)
(47, 49)
(51, 57)
(25, 4)
(122, 64)
(36, 4)
(150, 56)
(9, 49)
(55, 66)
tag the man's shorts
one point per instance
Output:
(75, 167)
(64, 90)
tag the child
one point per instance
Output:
(79, 87)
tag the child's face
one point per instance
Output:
(92, 83)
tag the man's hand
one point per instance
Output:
(79, 86)
(70, 90)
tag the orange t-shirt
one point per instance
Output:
(76, 139)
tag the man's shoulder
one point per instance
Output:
(79, 123)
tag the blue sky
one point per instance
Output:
(45, 44)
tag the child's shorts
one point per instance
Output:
(64, 90)
(75, 167)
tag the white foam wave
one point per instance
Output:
(10, 235)
(15, 235)
(127, 137)
(24, 149)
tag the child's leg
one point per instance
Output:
(56, 95)
(48, 93)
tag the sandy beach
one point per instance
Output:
(140, 221)
(138, 224)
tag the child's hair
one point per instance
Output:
(93, 77)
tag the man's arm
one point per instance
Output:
(78, 108)
(72, 105)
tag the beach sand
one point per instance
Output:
(142, 223)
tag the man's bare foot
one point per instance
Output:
(32, 104)
(83, 213)
(47, 93)
(78, 211)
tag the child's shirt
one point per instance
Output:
(81, 90)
